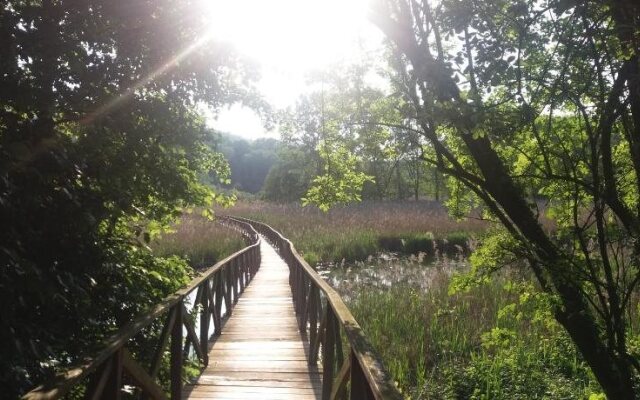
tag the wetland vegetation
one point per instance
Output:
(441, 334)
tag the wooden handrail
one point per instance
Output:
(322, 324)
(220, 284)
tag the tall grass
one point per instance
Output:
(354, 232)
(199, 240)
(482, 344)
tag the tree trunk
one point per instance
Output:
(416, 187)
(436, 183)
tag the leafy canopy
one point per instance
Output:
(100, 147)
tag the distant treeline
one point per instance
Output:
(282, 172)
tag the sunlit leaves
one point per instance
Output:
(340, 183)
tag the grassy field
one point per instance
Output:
(356, 231)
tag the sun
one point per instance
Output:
(288, 39)
(291, 34)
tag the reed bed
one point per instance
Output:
(201, 241)
(486, 343)
(356, 231)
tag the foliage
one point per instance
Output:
(100, 147)
(348, 116)
(340, 183)
(290, 177)
(539, 100)
(249, 161)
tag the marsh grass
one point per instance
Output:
(481, 344)
(356, 231)
(201, 241)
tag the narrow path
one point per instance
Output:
(260, 353)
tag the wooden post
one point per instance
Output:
(304, 307)
(205, 317)
(217, 316)
(313, 318)
(339, 353)
(164, 338)
(233, 281)
(314, 349)
(113, 384)
(360, 389)
(99, 380)
(328, 352)
(241, 273)
(227, 287)
(176, 354)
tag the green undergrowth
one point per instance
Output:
(494, 341)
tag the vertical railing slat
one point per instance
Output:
(205, 317)
(176, 354)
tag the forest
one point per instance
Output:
(464, 173)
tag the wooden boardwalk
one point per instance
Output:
(257, 352)
(260, 353)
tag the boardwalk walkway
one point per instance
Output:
(242, 319)
(260, 353)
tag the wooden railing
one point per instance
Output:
(105, 375)
(323, 319)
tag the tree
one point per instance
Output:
(99, 148)
(249, 161)
(290, 177)
(540, 99)
(363, 125)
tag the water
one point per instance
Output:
(387, 269)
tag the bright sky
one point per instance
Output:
(289, 39)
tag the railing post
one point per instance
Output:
(241, 271)
(114, 383)
(227, 287)
(360, 389)
(313, 319)
(234, 280)
(176, 354)
(328, 352)
(108, 383)
(205, 317)
(304, 293)
(217, 317)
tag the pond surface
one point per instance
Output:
(386, 270)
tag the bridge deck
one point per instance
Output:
(260, 353)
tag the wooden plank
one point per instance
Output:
(257, 376)
(221, 381)
(251, 396)
(252, 389)
(260, 353)
(284, 344)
